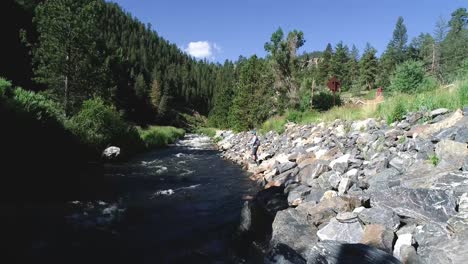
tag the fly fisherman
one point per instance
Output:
(254, 143)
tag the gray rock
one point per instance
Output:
(333, 252)
(314, 195)
(343, 232)
(421, 204)
(436, 246)
(312, 171)
(334, 180)
(291, 228)
(344, 185)
(454, 153)
(383, 180)
(283, 167)
(323, 180)
(400, 163)
(286, 178)
(462, 134)
(440, 111)
(297, 195)
(380, 216)
(340, 164)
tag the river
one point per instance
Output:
(180, 204)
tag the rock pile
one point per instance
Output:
(379, 193)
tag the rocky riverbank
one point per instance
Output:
(360, 192)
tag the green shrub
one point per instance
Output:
(160, 136)
(323, 101)
(275, 123)
(38, 105)
(4, 87)
(410, 77)
(99, 125)
(434, 159)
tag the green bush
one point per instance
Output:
(275, 123)
(38, 105)
(160, 136)
(99, 125)
(410, 77)
(323, 101)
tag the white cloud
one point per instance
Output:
(203, 49)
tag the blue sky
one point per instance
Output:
(222, 30)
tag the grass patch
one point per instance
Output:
(434, 159)
(207, 131)
(160, 136)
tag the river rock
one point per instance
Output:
(291, 227)
(349, 232)
(383, 180)
(283, 167)
(111, 153)
(340, 164)
(378, 236)
(312, 171)
(437, 112)
(452, 154)
(297, 195)
(334, 252)
(420, 204)
(380, 216)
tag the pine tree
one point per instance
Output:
(140, 87)
(67, 55)
(395, 54)
(155, 95)
(454, 48)
(368, 67)
(339, 65)
(325, 66)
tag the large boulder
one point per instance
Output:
(258, 214)
(380, 216)
(435, 245)
(111, 153)
(291, 228)
(451, 154)
(423, 205)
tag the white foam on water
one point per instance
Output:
(179, 155)
(170, 192)
(187, 172)
(195, 142)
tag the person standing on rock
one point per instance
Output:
(254, 143)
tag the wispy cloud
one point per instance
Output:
(203, 49)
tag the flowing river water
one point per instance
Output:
(181, 204)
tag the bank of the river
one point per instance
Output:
(361, 191)
(180, 204)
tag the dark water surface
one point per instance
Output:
(177, 205)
